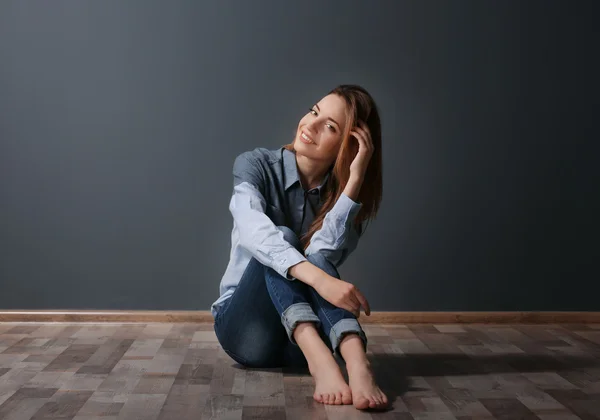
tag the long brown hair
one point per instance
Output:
(360, 107)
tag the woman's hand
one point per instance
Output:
(359, 165)
(343, 295)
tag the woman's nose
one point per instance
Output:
(312, 127)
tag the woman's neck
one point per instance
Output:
(311, 172)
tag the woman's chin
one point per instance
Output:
(302, 149)
(298, 145)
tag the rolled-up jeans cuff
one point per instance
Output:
(341, 328)
(296, 313)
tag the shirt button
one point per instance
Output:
(282, 261)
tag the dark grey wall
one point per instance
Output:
(119, 123)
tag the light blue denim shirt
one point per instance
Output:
(267, 192)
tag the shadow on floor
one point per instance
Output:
(393, 371)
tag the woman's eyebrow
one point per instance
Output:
(319, 109)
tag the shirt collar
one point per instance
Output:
(291, 170)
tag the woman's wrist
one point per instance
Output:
(307, 273)
(353, 187)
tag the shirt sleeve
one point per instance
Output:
(257, 232)
(338, 236)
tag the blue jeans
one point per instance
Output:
(255, 326)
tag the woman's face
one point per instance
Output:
(323, 125)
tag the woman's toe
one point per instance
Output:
(347, 398)
(361, 402)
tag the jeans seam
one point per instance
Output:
(268, 278)
(317, 301)
(317, 297)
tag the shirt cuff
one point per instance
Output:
(345, 208)
(287, 259)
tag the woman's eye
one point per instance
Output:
(312, 111)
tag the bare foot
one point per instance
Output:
(330, 386)
(365, 392)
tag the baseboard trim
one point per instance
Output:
(550, 317)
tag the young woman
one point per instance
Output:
(298, 212)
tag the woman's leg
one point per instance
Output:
(348, 341)
(291, 299)
(336, 322)
(249, 325)
(365, 391)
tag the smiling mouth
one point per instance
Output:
(305, 138)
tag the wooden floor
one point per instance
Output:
(178, 371)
